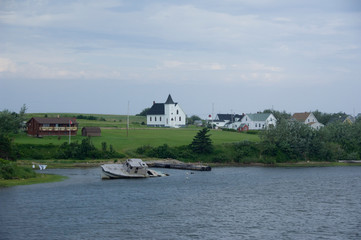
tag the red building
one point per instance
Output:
(60, 126)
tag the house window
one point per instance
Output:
(155, 118)
(150, 119)
(160, 118)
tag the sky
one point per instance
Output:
(230, 56)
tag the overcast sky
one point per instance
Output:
(229, 56)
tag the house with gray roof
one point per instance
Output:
(167, 114)
(257, 121)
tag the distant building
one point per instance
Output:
(308, 118)
(39, 127)
(226, 120)
(257, 121)
(91, 131)
(168, 114)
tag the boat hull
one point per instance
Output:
(113, 171)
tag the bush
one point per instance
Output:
(85, 150)
(163, 151)
(9, 170)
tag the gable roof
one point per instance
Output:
(259, 116)
(60, 120)
(228, 117)
(301, 117)
(156, 109)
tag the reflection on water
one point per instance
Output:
(226, 203)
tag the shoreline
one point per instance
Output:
(57, 164)
(96, 163)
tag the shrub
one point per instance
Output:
(9, 170)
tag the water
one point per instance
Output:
(226, 203)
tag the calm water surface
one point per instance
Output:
(226, 203)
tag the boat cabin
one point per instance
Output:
(136, 166)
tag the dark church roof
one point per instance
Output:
(169, 100)
(158, 108)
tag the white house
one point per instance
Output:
(257, 121)
(226, 120)
(168, 114)
(308, 118)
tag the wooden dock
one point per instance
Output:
(175, 164)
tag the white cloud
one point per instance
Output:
(6, 65)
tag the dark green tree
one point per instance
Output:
(202, 142)
(193, 118)
(278, 115)
(11, 122)
(144, 112)
(5, 147)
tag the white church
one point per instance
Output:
(168, 114)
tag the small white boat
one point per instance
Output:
(131, 168)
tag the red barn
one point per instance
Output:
(60, 126)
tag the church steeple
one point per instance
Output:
(169, 100)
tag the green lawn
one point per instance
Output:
(139, 137)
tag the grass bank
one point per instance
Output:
(40, 178)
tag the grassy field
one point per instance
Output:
(114, 132)
(139, 137)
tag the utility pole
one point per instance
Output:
(212, 114)
(128, 120)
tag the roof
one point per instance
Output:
(301, 117)
(169, 100)
(92, 129)
(60, 120)
(259, 116)
(229, 117)
(156, 109)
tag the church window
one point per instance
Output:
(177, 112)
(180, 118)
